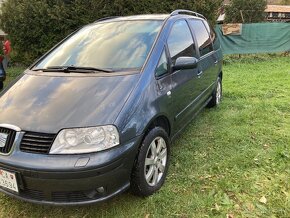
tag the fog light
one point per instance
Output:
(101, 189)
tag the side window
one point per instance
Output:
(180, 42)
(202, 36)
(211, 31)
(162, 67)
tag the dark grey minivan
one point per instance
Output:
(96, 114)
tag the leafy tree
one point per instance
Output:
(246, 11)
(34, 26)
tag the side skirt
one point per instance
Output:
(201, 108)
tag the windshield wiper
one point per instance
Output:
(72, 69)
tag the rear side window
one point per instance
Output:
(211, 31)
(180, 42)
(202, 36)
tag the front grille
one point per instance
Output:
(32, 194)
(75, 196)
(9, 140)
(39, 143)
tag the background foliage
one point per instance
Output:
(34, 26)
(285, 2)
(252, 11)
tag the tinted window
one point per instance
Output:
(180, 42)
(113, 45)
(202, 36)
(210, 30)
(162, 67)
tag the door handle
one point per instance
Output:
(216, 62)
(199, 73)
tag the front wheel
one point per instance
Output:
(152, 163)
(217, 94)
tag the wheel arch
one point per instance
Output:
(161, 121)
(221, 75)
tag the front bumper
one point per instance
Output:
(70, 179)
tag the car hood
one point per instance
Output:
(48, 103)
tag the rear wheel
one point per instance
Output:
(1, 85)
(152, 163)
(217, 94)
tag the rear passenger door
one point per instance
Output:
(208, 60)
(184, 82)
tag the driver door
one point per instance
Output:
(185, 84)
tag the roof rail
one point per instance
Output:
(106, 18)
(181, 11)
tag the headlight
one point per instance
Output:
(85, 140)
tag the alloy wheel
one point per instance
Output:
(155, 162)
(218, 92)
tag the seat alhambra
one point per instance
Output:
(96, 114)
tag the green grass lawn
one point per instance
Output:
(234, 159)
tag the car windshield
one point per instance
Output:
(115, 45)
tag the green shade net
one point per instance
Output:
(256, 38)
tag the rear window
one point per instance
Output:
(110, 45)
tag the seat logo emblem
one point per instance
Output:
(3, 138)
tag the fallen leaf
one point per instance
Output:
(250, 206)
(266, 146)
(226, 200)
(286, 193)
(263, 200)
(217, 207)
(237, 207)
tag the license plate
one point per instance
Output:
(8, 180)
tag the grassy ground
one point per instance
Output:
(232, 161)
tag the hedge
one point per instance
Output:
(34, 26)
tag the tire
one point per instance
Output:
(155, 168)
(1, 85)
(217, 94)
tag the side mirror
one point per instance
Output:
(183, 63)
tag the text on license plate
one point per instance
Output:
(8, 180)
